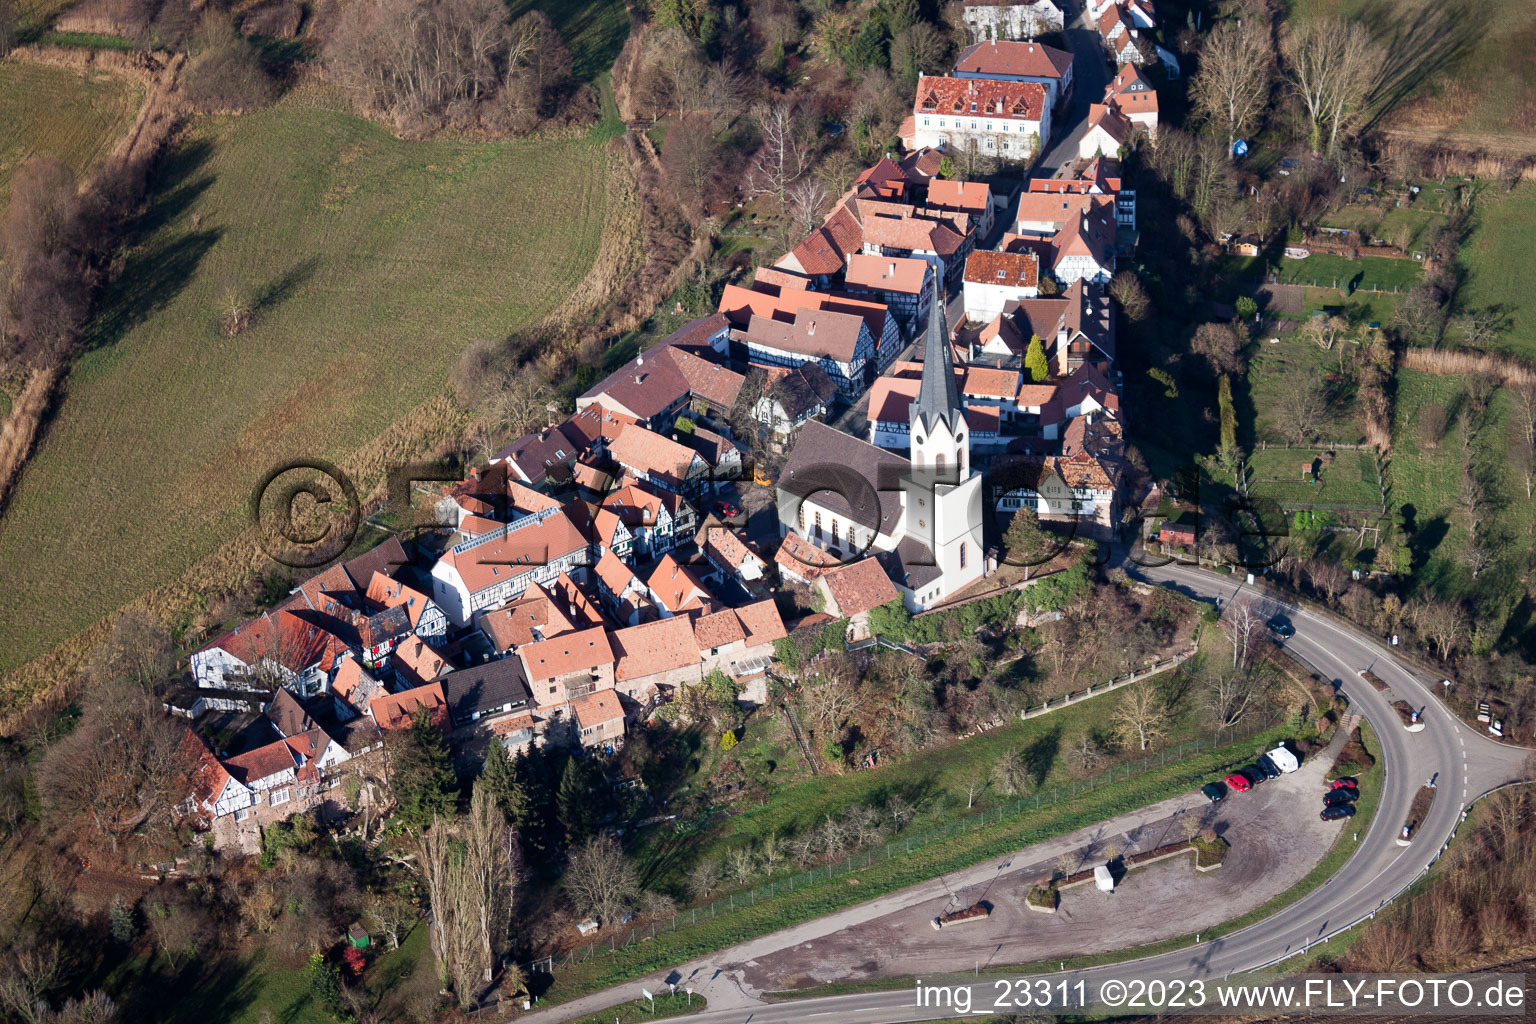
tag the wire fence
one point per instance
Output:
(902, 845)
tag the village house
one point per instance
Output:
(599, 719)
(739, 641)
(1078, 327)
(994, 279)
(1008, 120)
(1120, 28)
(489, 570)
(1132, 95)
(353, 688)
(721, 454)
(399, 710)
(853, 591)
(276, 648)
(902, 283)
(971, 199)
(801, 562)
(416, 663)
(837, 342)
(659, 461)
(645, 517)
(660, 382)
(783, 303)
(677, 589)
(1011, 19)
(729, 557)
(795, 396)
(656, 657)
(533, 617)
(487, 691)
(1007, 61)
(623, 596)
(568, 665)
(1100, 178)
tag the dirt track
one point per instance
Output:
(1276, 839)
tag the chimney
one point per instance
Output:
(892, 271)
(811, 330)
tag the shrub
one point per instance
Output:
(225, 72)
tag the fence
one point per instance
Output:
(902, 845)
(1057, 703)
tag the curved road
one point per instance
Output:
(1464, 762)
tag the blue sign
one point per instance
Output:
(1240, 147)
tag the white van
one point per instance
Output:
(1283, 759)
(1103, 879)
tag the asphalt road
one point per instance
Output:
(1090, 74)
(1464, 762)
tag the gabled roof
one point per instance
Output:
(659, 646)
(678, 588)
(803, 388)
(817, 335)
(264, 762)
(615, 575)
(646, 452)
(979, 97)
(285, 638)
(573, 601)
(891, 400)
(385, 592)
(635, 504)
(830, 467)
(485, 688)
(507, 557)
(597, 708)
(534, 617)
(802, 558)
(974, 197)
(353, 684)
(1008, 269)
(725, 548)
(669, 371)
(395, 710)
(901, 274)
(741, 304)
(859, 587)
(416, 661)
(288, 715)
(1006, 57)
(1131, 80)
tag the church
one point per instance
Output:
(921, 517)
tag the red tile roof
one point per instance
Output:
(597, 708)
(1010, 269)
(902, 274)
(802, 558)
(395, 710)
(678, 588)
(1005, 57)
(581, 651)
(818, 335)
(980, 97)
(646, 452)
(417, 662)
(659, 646)
(508, 557)
(515, 624)
(859, 586)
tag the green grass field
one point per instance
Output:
(593, 30)
(1269, 371)
(57, 111)
(1368, 273)
(378, 261)
(1499, 271)
(1349, 480)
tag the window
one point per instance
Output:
(800, 516)
(279, 796)
(851, 543)
(962, 554)
(925, 122)
(242, 814)
(991, 144)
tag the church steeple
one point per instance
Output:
(938, 400)
(938, 417)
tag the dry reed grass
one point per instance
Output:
(1509, 371)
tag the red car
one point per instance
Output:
(1238, 782)
(1343, 784)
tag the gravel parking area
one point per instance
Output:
(1276, 839)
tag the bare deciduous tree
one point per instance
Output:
(1141, 716)
(1325, 331)
(600, 880)
(1126, 289)
(806, 198)
(1332, 67)
(1231, 89)
(784, 155)
(1231, 695)
(1085, 752)
(1244, 625)
(1010, 774)
(1301, 406)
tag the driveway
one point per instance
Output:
(1090, 74)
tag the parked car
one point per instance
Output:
(1336, 813)
(1344, 783)
(1214, 791)
(1253, 774)
(1268, 767)
(1239, 782)
(726, 510)
(1280, 627)
(1340, 797)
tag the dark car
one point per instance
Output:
(1214, 791)
(1337, 813)
(1267, 766)
(1340, 797)
(1344, 783)
(725, 510)
(1253, 774)
(1280, 627)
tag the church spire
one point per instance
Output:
(938, 399)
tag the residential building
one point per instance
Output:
(599, 719)
(795, 396)
(487, 691)
(677, 589)
(994, 279)
(276, 648)
(801, 562)
(535, 616)
(1109, 133)
(664, 379)
(837, 342)
(729, 556)
(1078, 327)
(1120, 29)
(1008, 120)
(569, 665)
(971, 199)
(902, 283)
(1101, 177)
(1133, 96)
(489, 570)
(624, 597)
(416, 663)
(399, 710)
(426, 619)
(720, 453)
(1011, 19)
(659, 460)
(1007, 61)
(854, 590)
